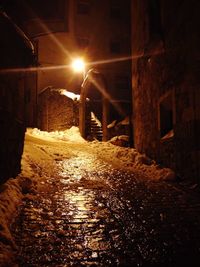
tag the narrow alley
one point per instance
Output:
(86, 212)
(99, 133)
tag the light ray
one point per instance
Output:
(101, 86)
(113, 60)
(49, 32)
(89, 64)
(32, 69)
(128, 57)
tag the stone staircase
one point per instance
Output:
(93, 127)
(96, 131)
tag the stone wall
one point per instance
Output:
(11, 145)
(16, 52)
(56, 112)
(165, 73)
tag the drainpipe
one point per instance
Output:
(196, 138)
(82, 110)
(105, 118)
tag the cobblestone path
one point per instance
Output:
(89, 214)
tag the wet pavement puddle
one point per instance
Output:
(92, 215)
(65, 224)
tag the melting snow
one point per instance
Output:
(42, 150)
(69, 94)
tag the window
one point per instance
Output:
(122, 86)
(115, 12)
(155, 27)
(115, 47)
(166, 115)
(27, 95)
(83, 42)
(44, 9)
(83, 7)
(115, 9)
(122, 83)
(3, 91)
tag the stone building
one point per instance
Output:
(56, 111)
(16, 55)
(165, 82)
(98, 31)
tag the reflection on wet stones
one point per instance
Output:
(93, 215)
(65, 224)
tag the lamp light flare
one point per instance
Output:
(78, 65)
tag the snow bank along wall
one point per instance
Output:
(165, 75)
(56, 112)
(16, 52)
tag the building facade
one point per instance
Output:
(56, 111)
(16, 57)
(98, 31)
(165, 83)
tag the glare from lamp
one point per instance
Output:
(78, 65)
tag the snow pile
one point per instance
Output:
(42, 152)
(121, 140)
(112, 124)
(69, 94)
(11, 194)
(125, 121)
(96, 119)
(121, 157)
(131, 160)
(71, 135)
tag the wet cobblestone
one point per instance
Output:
(89, 214)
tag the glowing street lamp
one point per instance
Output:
(78, 65)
